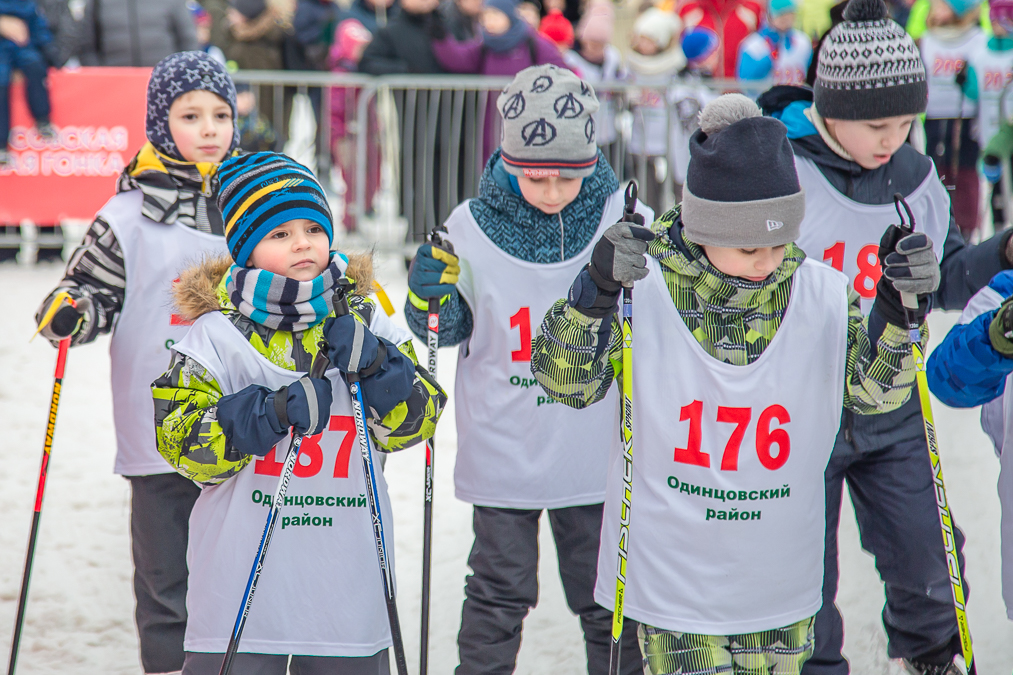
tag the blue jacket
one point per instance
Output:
(28, 11)
(965, 370)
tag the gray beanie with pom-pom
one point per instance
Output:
(741, 189)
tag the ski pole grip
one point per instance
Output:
(909, 300)
(340, 298)
(434, 305)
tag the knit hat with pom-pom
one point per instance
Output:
(869, 67)
(741, 187)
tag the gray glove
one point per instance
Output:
(912, 266)
(618, 257)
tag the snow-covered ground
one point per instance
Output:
(80, 611)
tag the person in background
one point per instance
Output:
(137, 34)
(531, 12)
(404, 44)
(258, 31)
(461, 17)
(350, 40)
(731, 20)
(255, 133)
(367, 11)
(654, 62)
(202, 24)
(555, 27)
(597, 61)
(25, 41)
(952, 35)
(700, 47)
(989, 68)
(778, 50)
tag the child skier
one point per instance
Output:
(852, 159)
(953, 35)
(777, 50)
(236, 385)
(546, 195)
(972, 366)
(162, 215)
(728, 316)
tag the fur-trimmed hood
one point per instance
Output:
(196, 292)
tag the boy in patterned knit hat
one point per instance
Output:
(743, 356)
(238, 385)
(849, 140)
(546, 194)
(162, 215)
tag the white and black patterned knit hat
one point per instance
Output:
(869, 67)
(548, 128)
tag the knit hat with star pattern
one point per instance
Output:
(174, 76)
(869, 67)
(547, 125)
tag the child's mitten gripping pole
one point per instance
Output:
(359, 413)
(47, 446)
(629, 215)
(317, 370)
(910, 302)
(433, 341)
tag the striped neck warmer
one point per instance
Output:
(282, 303)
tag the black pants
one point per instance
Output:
(200, 663)
(504, 587)
(160, 508)
(884, 460)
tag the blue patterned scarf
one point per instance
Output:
(282, 303)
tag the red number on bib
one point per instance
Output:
(691, 453)
(522, 320)
(310, 449)
(346, 424)
(740, 418)
(267, 465)
(835, 256)
(869, 271)
(766, 437)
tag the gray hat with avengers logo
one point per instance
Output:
(547, 125)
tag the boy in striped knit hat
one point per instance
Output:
(849, 137)
(238, 384)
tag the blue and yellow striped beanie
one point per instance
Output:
(260, 191)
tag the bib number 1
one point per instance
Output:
(522, 322)
(867, 261)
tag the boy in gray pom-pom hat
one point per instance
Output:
(758, 349)
(546, 195)
(850, 142)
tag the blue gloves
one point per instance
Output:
(433, 272)
(256, 418)
(351, 346)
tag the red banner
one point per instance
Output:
(98, 116)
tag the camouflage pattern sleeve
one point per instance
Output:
(880, 370)
(574, 357)
(187, 432)
(414, 419)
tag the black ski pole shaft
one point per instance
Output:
(47, 447)
(433, 342)
(372, 497)
(626, 432)
(910, 303)
(319, 367)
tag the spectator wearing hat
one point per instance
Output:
(778, 50)
(555, 27)
(731, 20)
(952, 35)
(700, 47)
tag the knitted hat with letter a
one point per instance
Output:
(869, 67)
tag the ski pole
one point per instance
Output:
(627, 438)
(433, 340)
(317, 370)
(358, 412)
(47, 446)
(910, 302)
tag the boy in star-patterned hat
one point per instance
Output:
(546, 195)
(163, 214)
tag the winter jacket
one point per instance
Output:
(964, 268)
(610, 71)
(965, 370)
(523, 232)
(575, 358)
(65, 29)
(39, 36)
(186, 396)
(459, 25)
(313, 27)
(770, 53)
(257, 45)
(402, 46)
(137, 33)
(365, 13)
(472, 57)
(732, 20)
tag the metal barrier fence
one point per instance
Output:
(398, 153)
